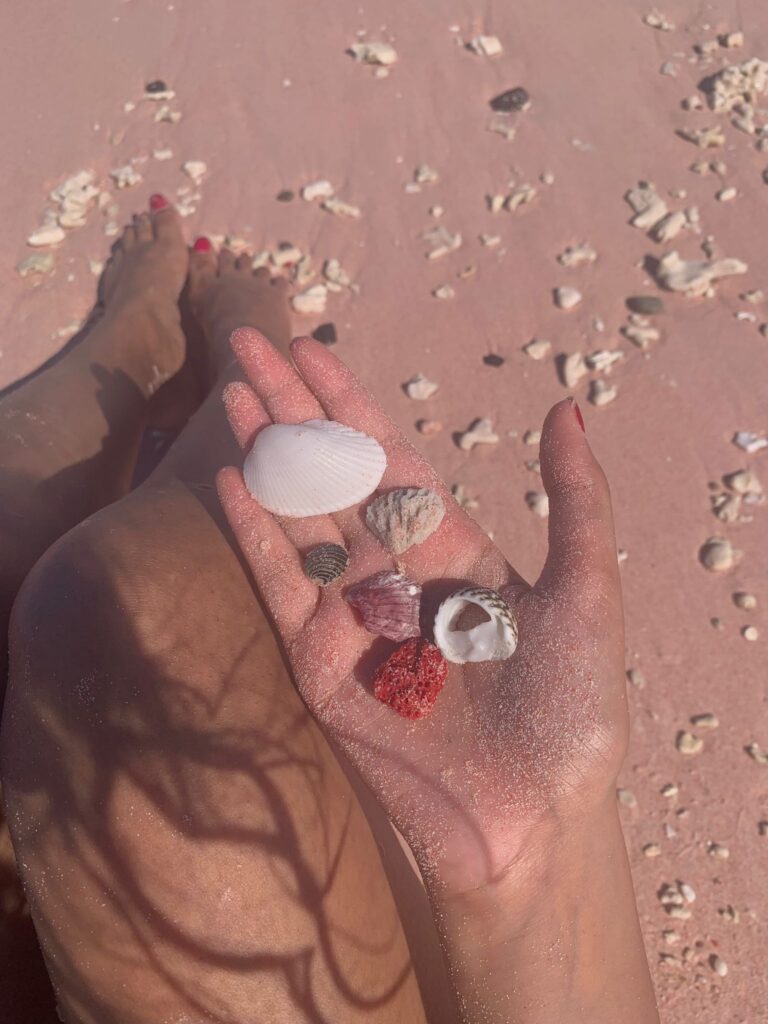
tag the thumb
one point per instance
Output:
(582, 544)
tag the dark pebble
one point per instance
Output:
(646, 305)
(286, 196)
(493, 360)
(157, 86)
(511, 100)
(282, 246)
(325, 334)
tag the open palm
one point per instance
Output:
(510, 746)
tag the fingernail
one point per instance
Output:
(202, 244)
(157, 202)
(579, 417)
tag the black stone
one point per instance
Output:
(510, 101)
(157, 86)
(286, 196)
(325, 334)
(646, 305)
(493, 360)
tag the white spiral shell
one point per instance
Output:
(492, 640)
(312, 468)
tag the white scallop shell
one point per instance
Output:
(493, 640)
(312, 468)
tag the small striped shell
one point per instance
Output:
(492, 640)
(326, 563)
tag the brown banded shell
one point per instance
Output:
(405, 517)
(388, 603)
(326, 563)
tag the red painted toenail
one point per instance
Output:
(202, 244)
(579, 417)
(157, 202)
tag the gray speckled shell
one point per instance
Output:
(405, 517)
(326, 563)
(493, 640)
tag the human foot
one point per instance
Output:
(142, 282)
(226, 293)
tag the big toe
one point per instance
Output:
(166, 220)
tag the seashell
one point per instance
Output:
(312, 468)
(388, 603)
(695, 277)
(405, 517)
(326, 563)
(493, 640)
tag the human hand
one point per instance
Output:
(513, 751)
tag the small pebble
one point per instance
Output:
(538, 348)
(670, 789)
(538, 503)
(705, 721)
(670, 936)
(463, 498)
(429, 428)
(636, 678)
(729, 913)
(750, 633)
(687, 892)
(512, 100)
(325, 334)
(757, 754)
(717, 555)
(689, 744)
(747, 602)
(601, 393)
(646, 305)
(652, 850)
(286, 196)
(626, 798)
(532, 437)
(493, 360)
(444, 291)
(567, 298)
(718, 851)
(158, 85)
(726, 194)
(572, 368)
(718, 965)
(679, 913)
(37, 263)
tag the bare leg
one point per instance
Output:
(192, 851)
(69, 435)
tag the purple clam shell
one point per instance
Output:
(388, 603)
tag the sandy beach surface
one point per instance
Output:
(270, 101)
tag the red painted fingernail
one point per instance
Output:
(579, 417)
(202, 244)
(157, 202)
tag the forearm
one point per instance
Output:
(557, 941)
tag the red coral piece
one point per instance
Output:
(411, 678)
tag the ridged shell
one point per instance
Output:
(389, 604)
(493, 640)
(312, 468)
(326, 563)
(405, 517)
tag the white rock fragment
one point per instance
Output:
(725, 195)
(480, 432)
(573, 369)
(376, 53)
(164, 113)
(444, 291)
(655, 19)
(36, 263)
(648, 205)
(538, 348)
(96, 267)
(567, 297)
(704, 138)
(547, 178)
(195, 169)
(49, 233)
(462, 498)
(749, 441)
(75, 196)
(420, 387)
(336, 275)
(688, 743)
(738, 84)
(718, 965)
(521, 196)
(425, 175)
(731, 40)
(436, 211)
(651, 850)
(750, 633)
(601, 393)
(320, 189)
(162, 154)
(641, 334)
(126, 176)
(442, 241)
(340, 208)
(538, 503)
(312, 300)
(531, 437)
(604, 359)
(744, 600)
(743, 481)
(490, 241)
(485, 46)
(695, 277)
(669, 227)
(575, 255)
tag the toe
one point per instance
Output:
(262, 273)
(226, 261)
(142, 224)
(202, 263)
(244, 262)
(127, 240)
(166, 221)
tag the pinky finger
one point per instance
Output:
(275, 563)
